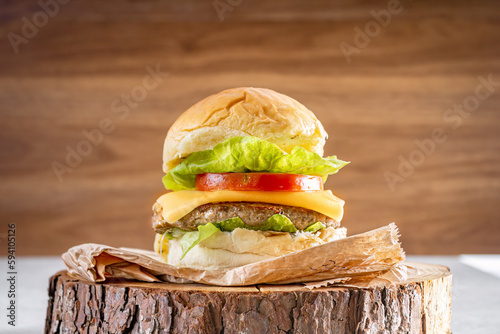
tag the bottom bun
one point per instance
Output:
(226, 250)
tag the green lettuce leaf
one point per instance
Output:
(279, 223)
(231, 224)
(193, 238)
(168, 236)
(314, 227)
(174, 233)
(249, 154)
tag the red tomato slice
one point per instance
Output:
(258, 182)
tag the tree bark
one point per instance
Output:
(77, 306)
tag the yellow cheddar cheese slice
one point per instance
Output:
(177, 204)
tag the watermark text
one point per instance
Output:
(453, 118)
(11, 275)
(121, 108)
(31, 27)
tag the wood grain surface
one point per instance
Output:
(398, 88)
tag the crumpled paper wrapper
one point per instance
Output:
(367, 258)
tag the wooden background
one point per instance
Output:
(394, 91)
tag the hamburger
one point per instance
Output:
(245, 170)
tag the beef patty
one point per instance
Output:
(253, 214)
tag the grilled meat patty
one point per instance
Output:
(253, 214)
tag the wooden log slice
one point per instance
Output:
(78, 306)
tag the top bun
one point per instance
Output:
(245, 111)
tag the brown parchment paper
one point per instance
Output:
(362, 257)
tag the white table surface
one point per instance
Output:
(476, 292)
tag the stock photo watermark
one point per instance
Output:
(120, 108)
(363, 37)
(31, 27)
(225, 6)
(11, 275)
(453, 118)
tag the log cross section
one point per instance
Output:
(78, 306)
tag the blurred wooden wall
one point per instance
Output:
(73, 73)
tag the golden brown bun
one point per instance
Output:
(243, 111)
(225, 250)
